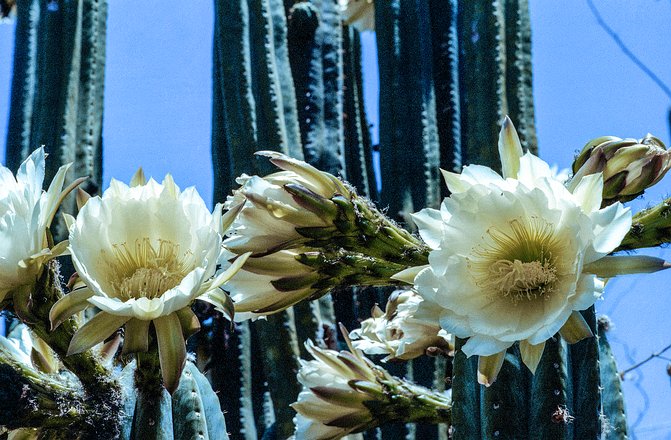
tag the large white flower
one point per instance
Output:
(515, 257)
(145, 253)
(25, 214)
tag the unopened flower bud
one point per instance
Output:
(344, 392)
(629, 166)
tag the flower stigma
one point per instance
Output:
(519, 264)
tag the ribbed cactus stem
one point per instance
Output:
(503, 405)
(482, 82)
(551, 395)
(23, 83)
(519, 79)
(614, 415)
(276, 338)
(466, 396)
(586, 382)
(270, 117)
(307, 69)
(286, 81)
(230, 372)
(409, 150)
(232, 73)
(330, 35)
(445, 66)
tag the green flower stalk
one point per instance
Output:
(650, 228)
(307, 233)
(629, 166)
(344, 392)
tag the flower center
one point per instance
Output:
(143, 271)
(520, 263)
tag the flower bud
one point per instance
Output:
(402, 331)
(628, 166)
(344, 392)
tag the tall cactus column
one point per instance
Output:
(409, 144)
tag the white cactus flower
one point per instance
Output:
(516, 257)
(401, 331)
(145, 253)
(26, 211)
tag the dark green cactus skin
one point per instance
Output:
(586, 382)
(465, 395)
(519, 78)
(550, 393)
(408, 135)
(481, 80)
(612, 400)
(230, 372)
(508, 395)
(446, 83)
(57, 89)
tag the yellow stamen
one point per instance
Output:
(143, 271)
(520, 263)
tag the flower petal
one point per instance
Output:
(430, 224)
(68, 305)
(408, 275)
(112, 306)
(96, 330)
(171, 349)
(611, 266)
(575, 329)
(510, 149)
(531, 354)
(489, 367)
(588, 192)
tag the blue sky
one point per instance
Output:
(157, 115)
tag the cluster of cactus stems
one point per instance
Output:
(287, 77)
